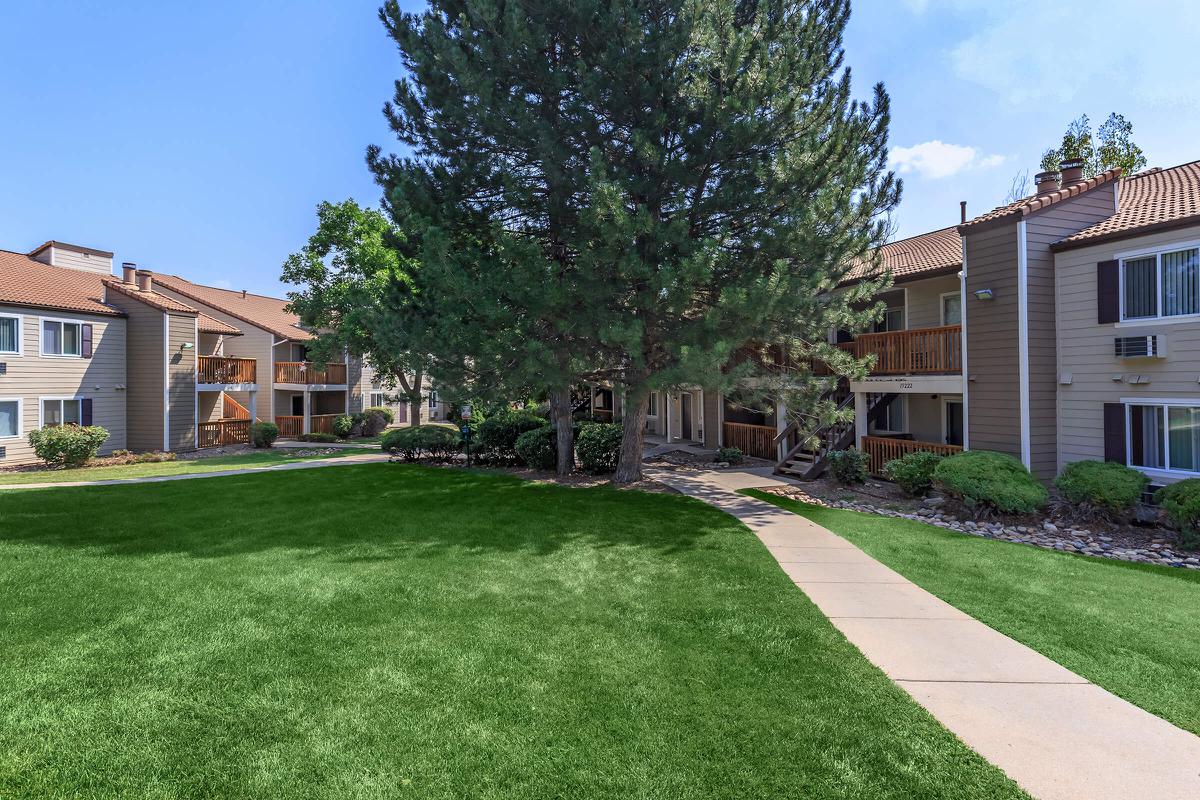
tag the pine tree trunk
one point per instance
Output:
(560, 416)
(633, 436)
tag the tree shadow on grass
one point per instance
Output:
(354, 513)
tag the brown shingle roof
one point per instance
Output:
(1150, 200)
(935, 252)
(1028, 205)
(24, 281)
(264, 312)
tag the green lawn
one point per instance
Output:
(397, 631)
(1132, 628)
(256, 458)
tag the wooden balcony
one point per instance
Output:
(882, 449)
(218, 369)
(322, 423)
(290, 427)
(753, 440)
(306, 372)
(223, 432)
(921, 351)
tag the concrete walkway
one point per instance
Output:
(365, 458)
(1054, 733)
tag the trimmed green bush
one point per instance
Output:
(343, 425)
(264, 434)
(537, 448)
(985, 482)
(599, 447)
(849, 466)
(383, 411)
(375, 419)
(67, 445)
(497, 435)
(1106, 485)
(1181, 501)
(430, 441)
(913, 472)
(317, 436)
(730, 455)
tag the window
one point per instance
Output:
(891, 418)
(60, 338)
(952, 309)
(10, 334)
(893, 320)
(433, 399)
(1164, 437)
(652, 405)
(10, 418)
(376, 399)
(1161, 285)
(63, 411)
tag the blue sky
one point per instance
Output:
(198, 138)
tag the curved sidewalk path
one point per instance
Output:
(1056, 734)
(366, 458)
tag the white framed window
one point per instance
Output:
(433, 399)
(1161, 285)
(11, 412)
(951, 308)
(55, 411)
(1163, 436)
(652, 405)
(62, 337)
(11, 329)
(377, 398)
(891, 419)
(893, 320)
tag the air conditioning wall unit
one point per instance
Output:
(1150, 346)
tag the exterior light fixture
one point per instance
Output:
(985, 294)
(186, 346)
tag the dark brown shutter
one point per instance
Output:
(1114, 432)
(85, 411)
(1108, 292)
(86, 338)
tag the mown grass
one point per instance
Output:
(1132, 628)
(256, 458)
(397, 631)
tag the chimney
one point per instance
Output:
(128, 268)
(962, 210)
(145, 280)
(1072, 172)
(243, 294)
(1047, 182)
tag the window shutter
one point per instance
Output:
(1114, 432)
(85, 411)
(86, 340)
(1108, 292)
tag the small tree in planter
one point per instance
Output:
(67, 445)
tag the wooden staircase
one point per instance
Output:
(807, 462)
(231, 409)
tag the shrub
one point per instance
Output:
(264, 434)
(343, 425)
(538, 448)
(913, 472)
(317, 436)
(375, 419)
(1105, 484)
(730, 455)
(433, 441)
(599, 447)
(67, 445)
(497, 435)
(985, 482)
(1181, 501)
(849, 466)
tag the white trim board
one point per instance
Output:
(1023, 340)
(20, 351)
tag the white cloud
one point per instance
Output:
(937, 159)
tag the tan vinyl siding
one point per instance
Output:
(1086, 349)
(924, 309)
(1043, 229)
(144, 354)
(993, 418)
(181, 369)
(31, 376)
(88, 262)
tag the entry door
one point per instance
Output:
(954, 422)
(297, 405)
(685, 414)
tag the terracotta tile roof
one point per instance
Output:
(206, 324)
(153, 299)
(934, 252)
(264, 312)
(1150, 200)
(1028, 205)
(24, 281)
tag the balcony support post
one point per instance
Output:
(781, 424)
(860, 418)
(253, 406)
(307, 411)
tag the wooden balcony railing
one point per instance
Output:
(223, 432)
(322, 423)
(232, 409)
(882, 449)
(218, 369)
(753, 440)
(309, 373)
(921, 351)
(290, 427)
